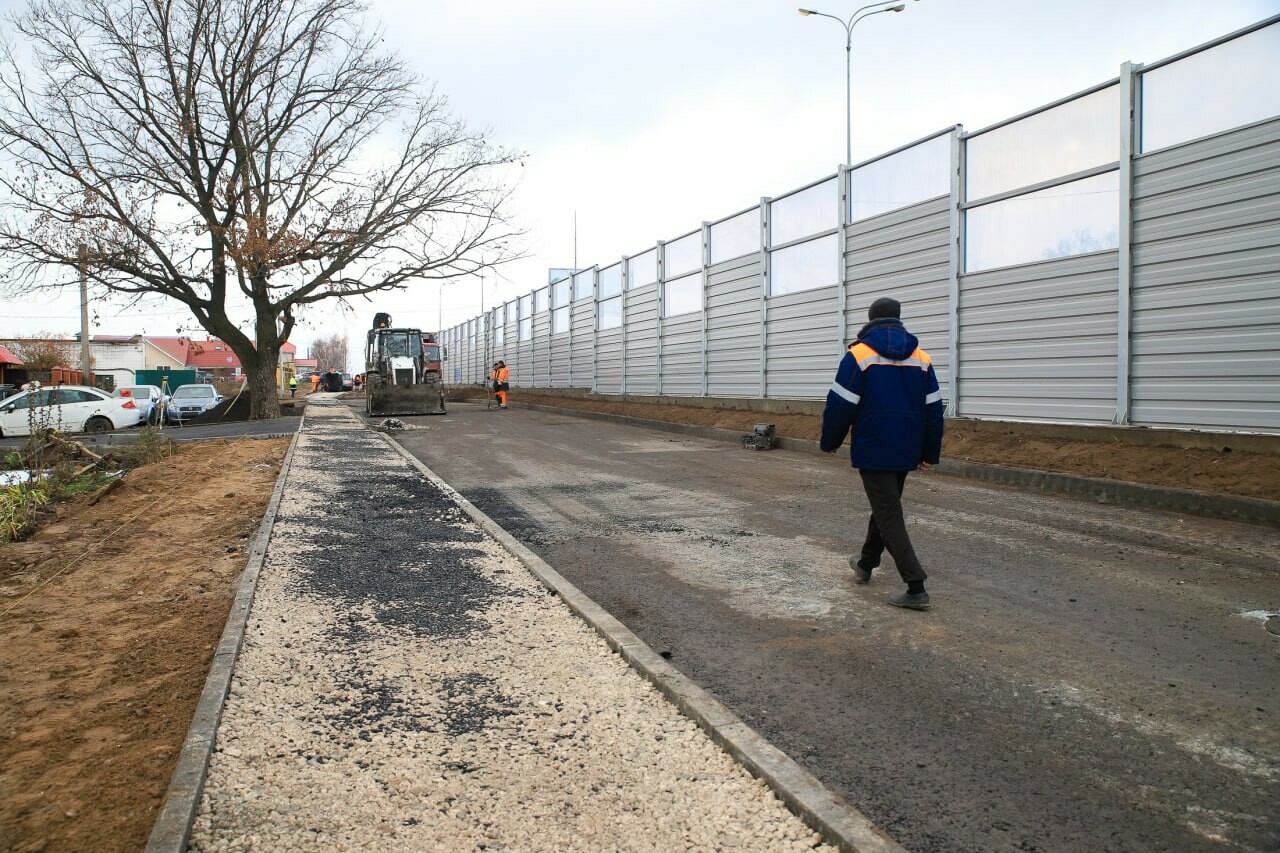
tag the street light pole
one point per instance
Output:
(848, 61)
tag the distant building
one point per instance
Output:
(214, 357)
(8, 361)
(167, 353)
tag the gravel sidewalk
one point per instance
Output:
(405, 683)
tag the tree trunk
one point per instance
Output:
(260, 382)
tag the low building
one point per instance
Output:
(8, 361)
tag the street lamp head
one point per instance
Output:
(805, 11)
(897, 8)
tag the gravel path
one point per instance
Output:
(406, 684)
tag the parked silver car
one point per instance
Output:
(191, 401)
(150, 399)
(69, 408)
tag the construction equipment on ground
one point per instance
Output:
(402, 371)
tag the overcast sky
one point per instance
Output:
(642, 118)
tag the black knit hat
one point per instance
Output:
(885, 306)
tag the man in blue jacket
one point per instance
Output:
(886, 391)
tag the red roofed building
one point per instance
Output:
(167, 353)
(7, 360)
(214, 356)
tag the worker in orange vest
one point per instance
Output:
(315, 382)
(501, 383)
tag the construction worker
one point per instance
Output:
(502, 383)
(293, 385)
(315, 381)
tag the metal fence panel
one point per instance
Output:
(1206, 283)
(525, 367)
(803, 346)
(734, 327)
(682, 355)
(560, 354)
(542, 349)
(582, 363)
(510, 349)
(642, 340)
(1038, 341)
(609, 361)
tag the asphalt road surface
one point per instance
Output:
(1090, 677)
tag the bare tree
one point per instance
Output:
(258, 156)
(45, 352)
(330, 352)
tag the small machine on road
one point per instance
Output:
(402, 371)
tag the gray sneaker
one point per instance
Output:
(911, 601)
(861, 573)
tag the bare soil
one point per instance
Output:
(110, 612)
(109, 616)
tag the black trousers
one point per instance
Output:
(887, 527)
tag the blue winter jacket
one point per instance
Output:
(886, 390)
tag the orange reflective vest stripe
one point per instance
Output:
(865, 356)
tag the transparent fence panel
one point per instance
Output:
(804, 213)
(583, 283)
(642, 269)
(804, 266)
(541, 299)
(682, 295)
(736, 237)
(526, 317)
(610, 281)
(1233, 84)
(561, 292)
(609, 313)
(1070, 219)
(1069, 138)
(917, 174)
(683, 255)
(498, 335)
(560, 320)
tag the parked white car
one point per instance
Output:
(191, 401)
(69, 408)
(150, 399)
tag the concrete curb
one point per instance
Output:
(172, 829)
(1119, 492)
(839, 824)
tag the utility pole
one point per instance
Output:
(484, 326)
(84, 315)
